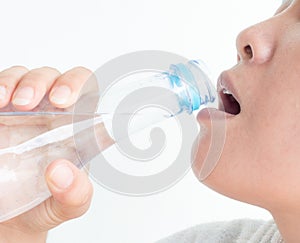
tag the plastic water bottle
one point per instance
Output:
(34, 139)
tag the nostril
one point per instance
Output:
(248, 51)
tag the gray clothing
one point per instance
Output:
(236, 231)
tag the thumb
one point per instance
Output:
(71, 192)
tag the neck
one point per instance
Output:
(288, 224)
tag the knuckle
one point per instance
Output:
(12, 74)
(86, 198)
(19, 67)
(40, 74)
(7, 79)
(83, 199)
(82, 69)
(53, 216)
(44, 70)
(47, 68)
(77, 74)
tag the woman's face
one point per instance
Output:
(260, 161)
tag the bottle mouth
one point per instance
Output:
(194, 85)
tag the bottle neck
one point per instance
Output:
(192, 85)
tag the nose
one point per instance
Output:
(256, 44)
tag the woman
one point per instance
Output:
(260, 160)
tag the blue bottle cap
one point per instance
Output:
(182, 76)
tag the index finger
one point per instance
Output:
(68, 86)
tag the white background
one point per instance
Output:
(64, 34)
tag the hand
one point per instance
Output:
(71, 190)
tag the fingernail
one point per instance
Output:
(3, 92)
(23, 96)
(62, 176)
(60, 94)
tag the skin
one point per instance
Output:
(71, 190)
(260, 159)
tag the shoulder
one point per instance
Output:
(241, 230)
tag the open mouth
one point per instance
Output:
(228, 103)
(228, 99)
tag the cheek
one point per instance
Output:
(274, 120)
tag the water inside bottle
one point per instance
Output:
(30, 143)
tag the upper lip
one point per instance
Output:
(225, 82)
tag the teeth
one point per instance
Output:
(225, 91)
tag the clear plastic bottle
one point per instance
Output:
(36, 138)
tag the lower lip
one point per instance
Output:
(213, 113)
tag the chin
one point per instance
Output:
(208, 146)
